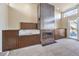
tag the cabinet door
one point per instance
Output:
(60, 33)
(10, 40)
(29, 40)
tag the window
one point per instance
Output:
(70, 13)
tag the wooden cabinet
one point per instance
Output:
(10, 39)
(60, 33)
(29, 40)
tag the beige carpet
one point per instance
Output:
(63, 47)
(3, 53)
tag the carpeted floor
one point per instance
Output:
(3, 53)
(63, 47)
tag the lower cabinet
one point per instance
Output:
(60, 33)
(10, 40)
(28, 40)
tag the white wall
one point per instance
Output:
(57, 18)
(3, 20)
(21, 12)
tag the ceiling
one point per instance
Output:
(60, 6)
(64, 6)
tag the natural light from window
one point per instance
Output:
(70, 13)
